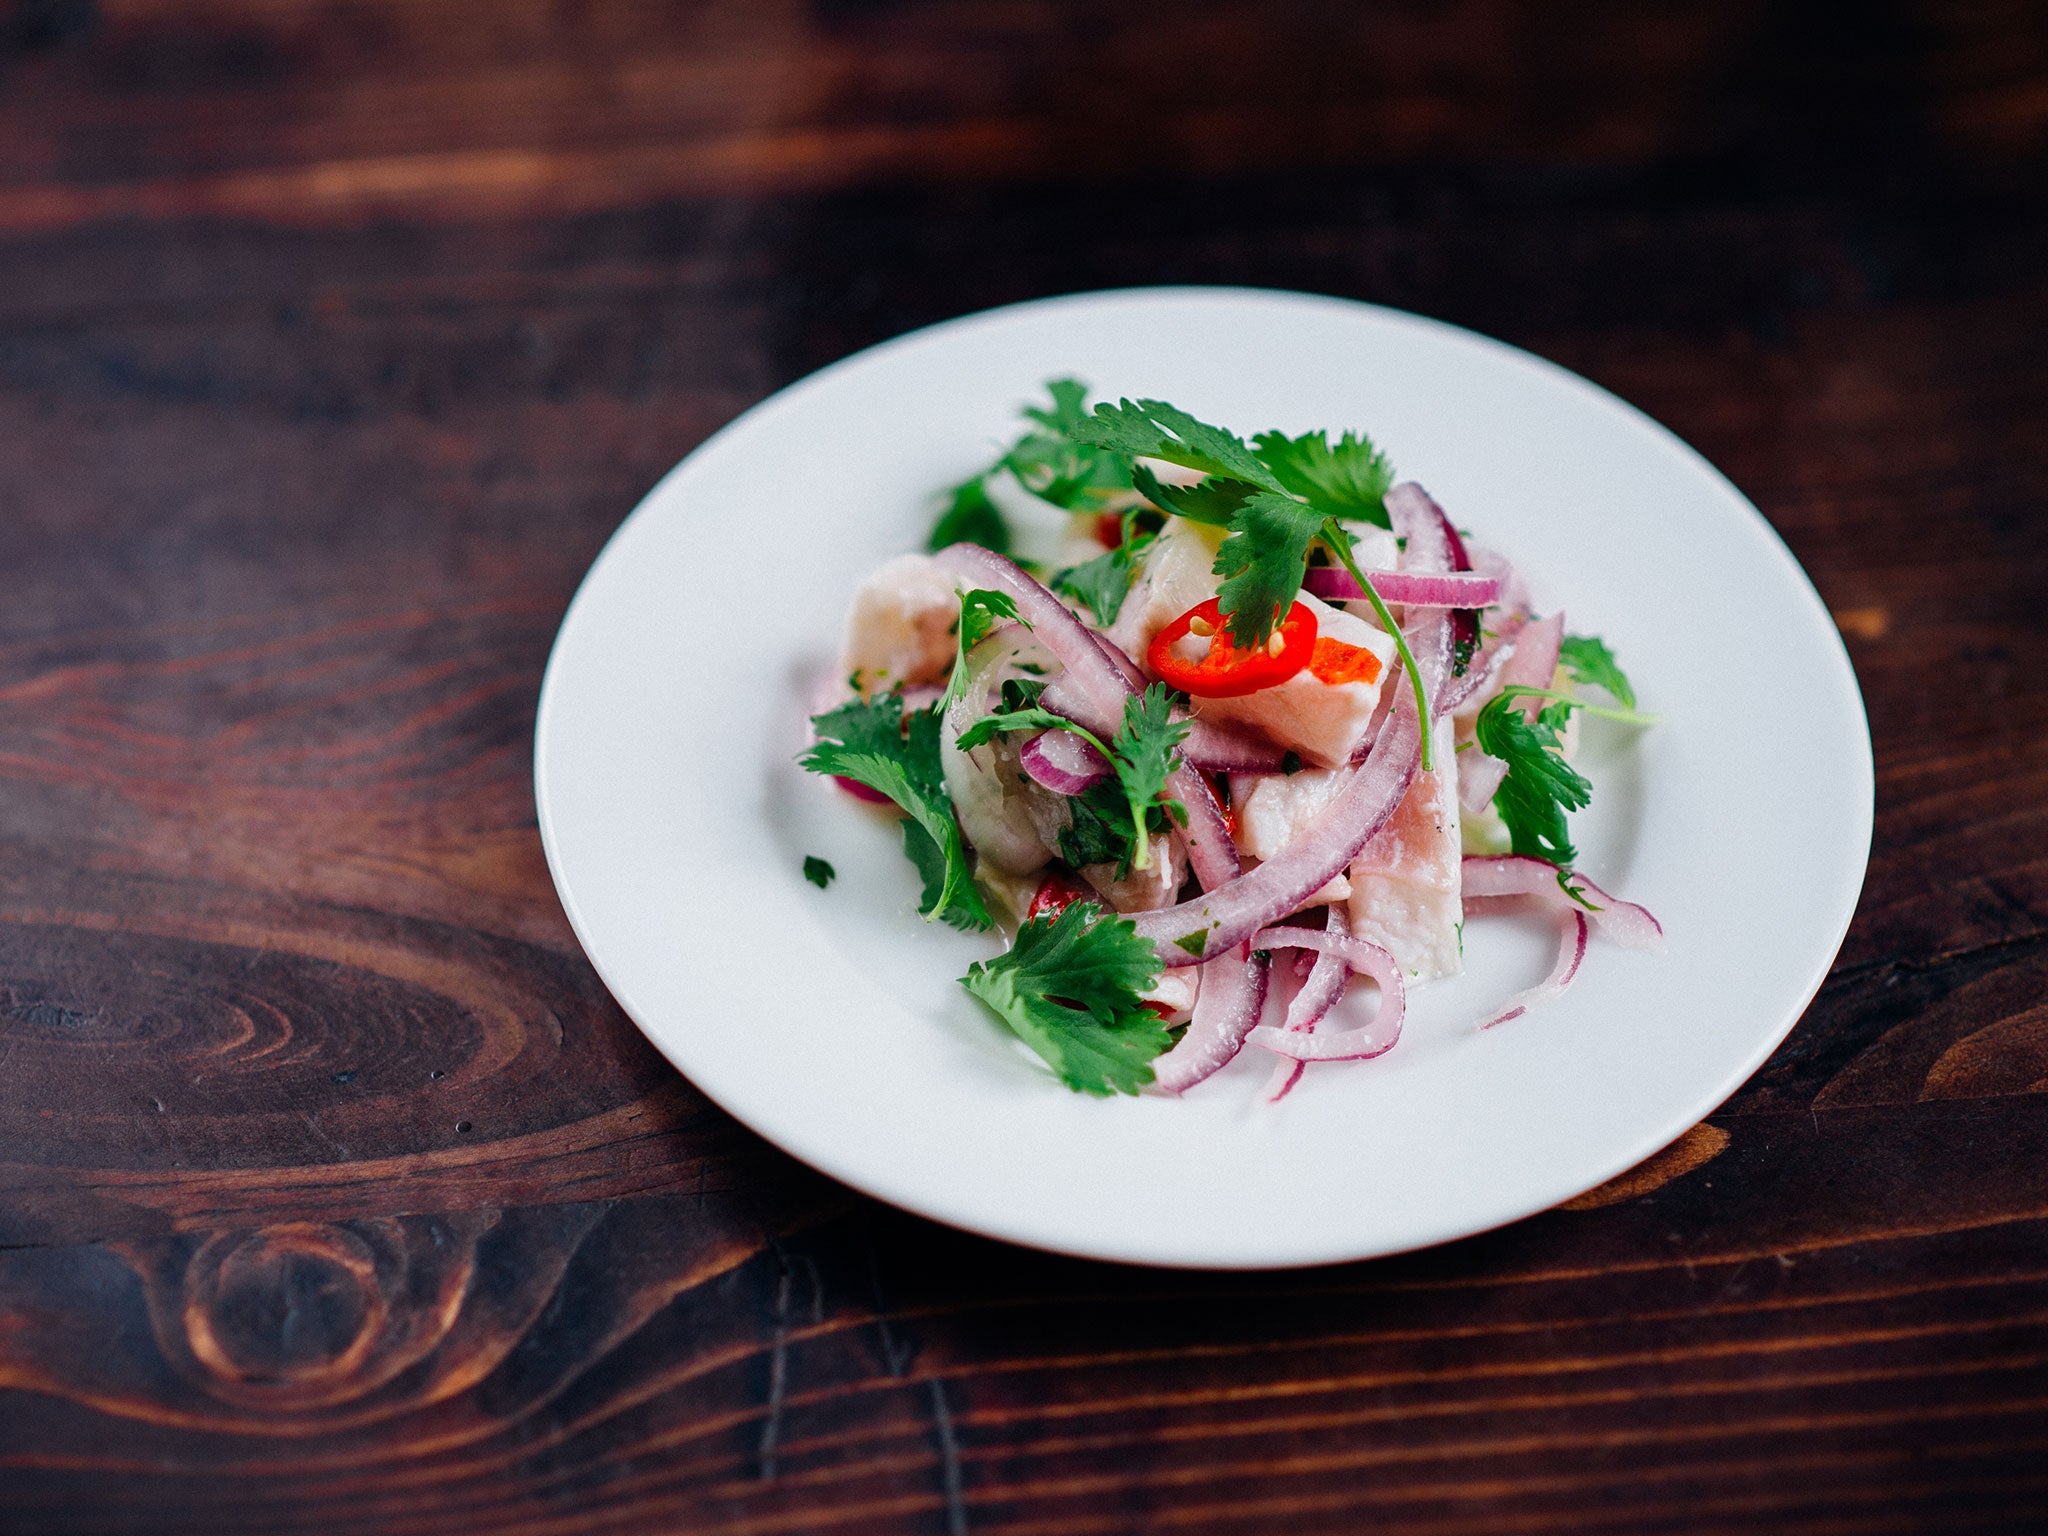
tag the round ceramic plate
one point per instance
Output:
(831, 1021)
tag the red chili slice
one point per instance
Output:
(1228, 672)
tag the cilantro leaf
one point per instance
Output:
(817, 871)
(1275, 507)
(1214, 501)
(1069, 405)
(1540, 786)
(1098, 830)
(873, 743)
(980, 612)
(1046, 461)
(1262, 561)
(1051, 465)
(1104, 582)
(1144, 750)
(1349, 480)
(1069, 988)
(1153, 429)
(970, 518)
(1590, 663)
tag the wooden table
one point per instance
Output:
(338, 1196)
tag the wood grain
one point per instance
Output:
(336, 1196)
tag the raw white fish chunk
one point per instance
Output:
(1322, 721)
(1406, 892)
(899, 631)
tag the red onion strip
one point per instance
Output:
(1100, 682)
(1232, 995)
(1326, 979)
(1095, 686)
(1571, 951)
(1062, 762)
(1321, 990)
(1482, 676)
(1432, 547)
(1514, 591)
(1223, 917)
(1625, 922)
(1366, 1040)
(1462, 590)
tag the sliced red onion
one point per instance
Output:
(1097, 681)
(1462, 590)
(1514, 591)
(1217, 748)
(1232, 995)
(1625, 922)
(860, 791)
(1212, 852)
(1118, 657)
(1222, 918)
(1482, 675)
(1093, 689)
(1327, 978)
(1321, 990)
(1571, 952)
(1532, 664)
(1062, 762)
(1357, 1044)
(1432, 547)
(1479, 777)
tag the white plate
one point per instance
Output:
(830, 1021)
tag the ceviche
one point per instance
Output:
(1260, 723)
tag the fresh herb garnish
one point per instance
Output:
(1353, 475)
(971, 518)
(1098, 829)
(874, 743)
(1070, 989)
(1591, 664)
(1046, 462)
(1140, 754)
(1540, 786)
(817, 871)
(1104, 582)
(980, 612)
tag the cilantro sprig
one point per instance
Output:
(980, 612)
(1046, 461)
(873, 742)
(1141, 754)
(1591, 664)
(1104, 582)
(1540, 788)
(1070, 988)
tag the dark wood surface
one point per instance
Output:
(335, 1193)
